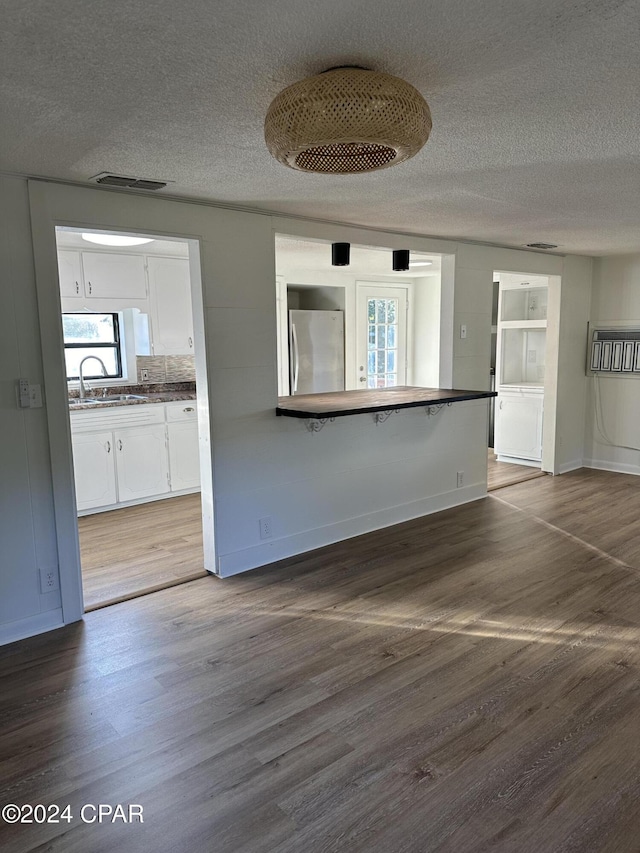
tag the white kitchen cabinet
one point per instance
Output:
(141, 462)
(184, 450)
(132, 454)
(518, 429)
(70, 273)
(170, 303)
(94, 469)
(107, 275)
(520, 368)
(93, 277)
(184, 455)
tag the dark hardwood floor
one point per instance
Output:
(465, 682)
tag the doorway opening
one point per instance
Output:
(356, 327)
(517, 373)
(129, 351)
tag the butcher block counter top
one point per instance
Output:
(338, 404)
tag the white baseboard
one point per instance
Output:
(571, 466)
(96, 509)
(614, 467)
(309, 540)
(10, 632)
(516, 460)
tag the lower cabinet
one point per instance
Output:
(94, 467)
(141, 462)
(131, 454)
(184, 455)
(518, 425)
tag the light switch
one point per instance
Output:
(35, 396)
(463, 331)
(29, 396)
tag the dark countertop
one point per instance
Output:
(338, 404)
(137, 395)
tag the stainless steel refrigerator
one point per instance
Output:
(316, 351)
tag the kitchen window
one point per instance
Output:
(89, 334)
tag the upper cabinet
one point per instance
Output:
(524, 305)
(158, 287)
(170, 306)
(113, 276)
(522, 323)
(101, 275)
(70, 273)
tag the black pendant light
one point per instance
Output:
(400, 260)
(340, 254)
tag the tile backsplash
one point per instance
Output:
(167, 368)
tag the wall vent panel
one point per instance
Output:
(614, 352)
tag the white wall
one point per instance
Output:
(570, 398)
(351, 477)
(474, 270)
(616, 300)
(426, 331)
(27, 521)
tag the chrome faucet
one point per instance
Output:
(105, 372)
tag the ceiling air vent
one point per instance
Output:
(541, 245)
(109, 180)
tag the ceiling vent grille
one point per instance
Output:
(541, 245)
(108, 180)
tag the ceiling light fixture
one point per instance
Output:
(116, 239)
(400, 260)
(421, 263)
(340, 254)
(347, 120)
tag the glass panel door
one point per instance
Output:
(382, 343)
(382, 323)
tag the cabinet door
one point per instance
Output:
(119, 276)
(70, 273)
(170, 299)
(94, 469)
(518, 429)
(184, 455)
(141, 462)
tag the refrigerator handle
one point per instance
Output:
(296, 358)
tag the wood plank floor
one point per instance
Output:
(463, 683)
(501, 474)
(130, 551)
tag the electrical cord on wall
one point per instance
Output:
(600, 418)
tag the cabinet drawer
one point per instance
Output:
(116, 417)
(184, 410)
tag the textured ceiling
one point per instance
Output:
(534, 103)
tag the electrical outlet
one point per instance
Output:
(49, 580)
(460, 479)
(531, 356)
(266, 531)
(144, 374)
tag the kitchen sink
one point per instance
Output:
(114, 398)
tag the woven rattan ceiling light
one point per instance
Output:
(347, 120)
